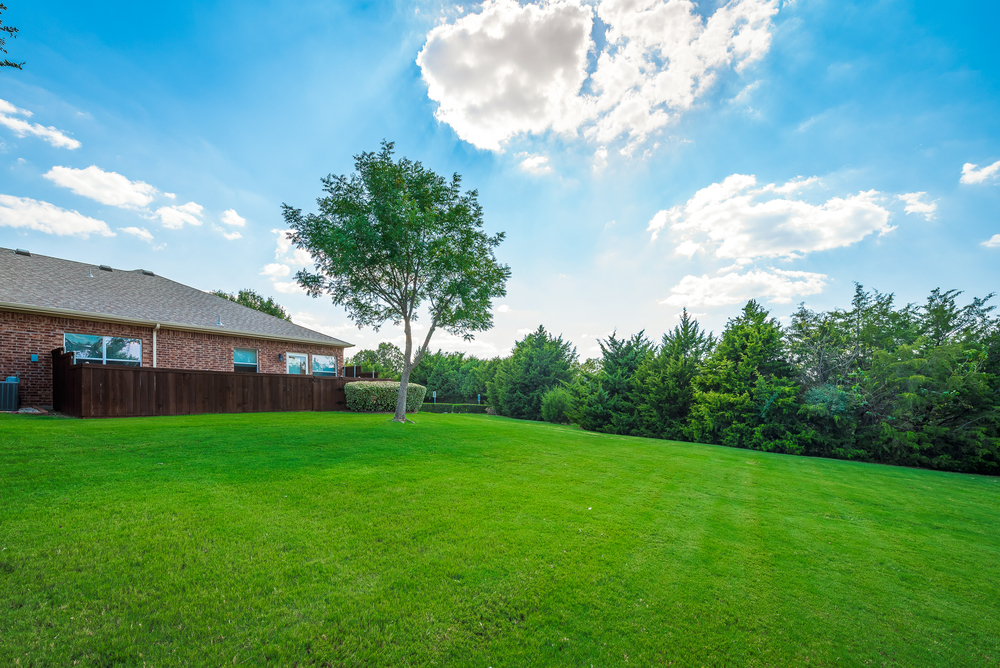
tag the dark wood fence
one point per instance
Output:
(95, 390)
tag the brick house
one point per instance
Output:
(135, 318)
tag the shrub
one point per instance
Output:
(557, 404)
(380, 396)
(454, 408)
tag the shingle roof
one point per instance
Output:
(48, 283)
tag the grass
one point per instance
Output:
(317, 539)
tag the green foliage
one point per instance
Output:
(664, 381)
(394, 239)
(387, 360)
(456, 377)
(256, 301)
(380, 396)
(538, 363)
(610, 406)
(558, 406)
(11, 32)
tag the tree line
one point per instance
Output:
(914, 384)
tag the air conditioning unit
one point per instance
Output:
(10, 398)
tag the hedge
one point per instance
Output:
(380, 396)
(453, 408)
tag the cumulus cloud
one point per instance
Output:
(22, 212)
(22, 128)
(512, 69)
(774, 285)
(740, 220)
(230, 217)
(232, 236)
(971, 174)
(104, 187)
(275, 270)
(140, 232)
(914, 204)
(503, 308)
(536, 164)
(992, 242)
(175, 217)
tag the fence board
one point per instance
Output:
(94, 391)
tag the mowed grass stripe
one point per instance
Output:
(344, 539)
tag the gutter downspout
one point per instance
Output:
(154, 343)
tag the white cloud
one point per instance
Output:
(104, 187)
(299, 256)
(536, 164)
(503, 308)
(22, 212)
(230, 217)
(275, 270)
(140, 232)
(915, 205)
(232, 236)
(175, 217)
(972, 175)
(21, 127)
(600, 159)
(289, 288)
(687, 248)
(775, 285)
(512, 69)
(992, 242)
(170, 195)
(742, 221)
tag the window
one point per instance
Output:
(324, 365)
(103, 349)
(244, 360)
(298, 364)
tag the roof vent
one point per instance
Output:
(90, 272)
(21, 251)
(219, 324)
(104, 267)
(146, 272)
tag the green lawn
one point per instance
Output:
(339, 539)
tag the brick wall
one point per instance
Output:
(22, 335)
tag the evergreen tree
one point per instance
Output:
(610, 404)
(664, 382)
(538, 363)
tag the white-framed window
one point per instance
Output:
(297, 364)
(324, 365)
(245, 360)
(103, 349)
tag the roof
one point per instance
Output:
(48, 285)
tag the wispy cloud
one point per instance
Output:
(536, 164)
(30, 214)
(915, 204)
(175, 217)
(140, 232)
(971, 174)
(230, 217)
(104, 187)
(23, 128)
(774, 285)
(992, 242)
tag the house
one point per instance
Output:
(135, 318)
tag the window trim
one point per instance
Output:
(104, 350)
(256, 355)
(288, 363)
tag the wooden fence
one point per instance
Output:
(95, 390)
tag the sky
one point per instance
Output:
(641, 156)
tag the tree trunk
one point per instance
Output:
(404, 381)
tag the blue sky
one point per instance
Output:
(641, 156)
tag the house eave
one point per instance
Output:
(180, 327)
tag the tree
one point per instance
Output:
(664, 382)
(387, 359)
(256, 301)
(609, 406)
(539, 363)
(394, 237)
(12, 32)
